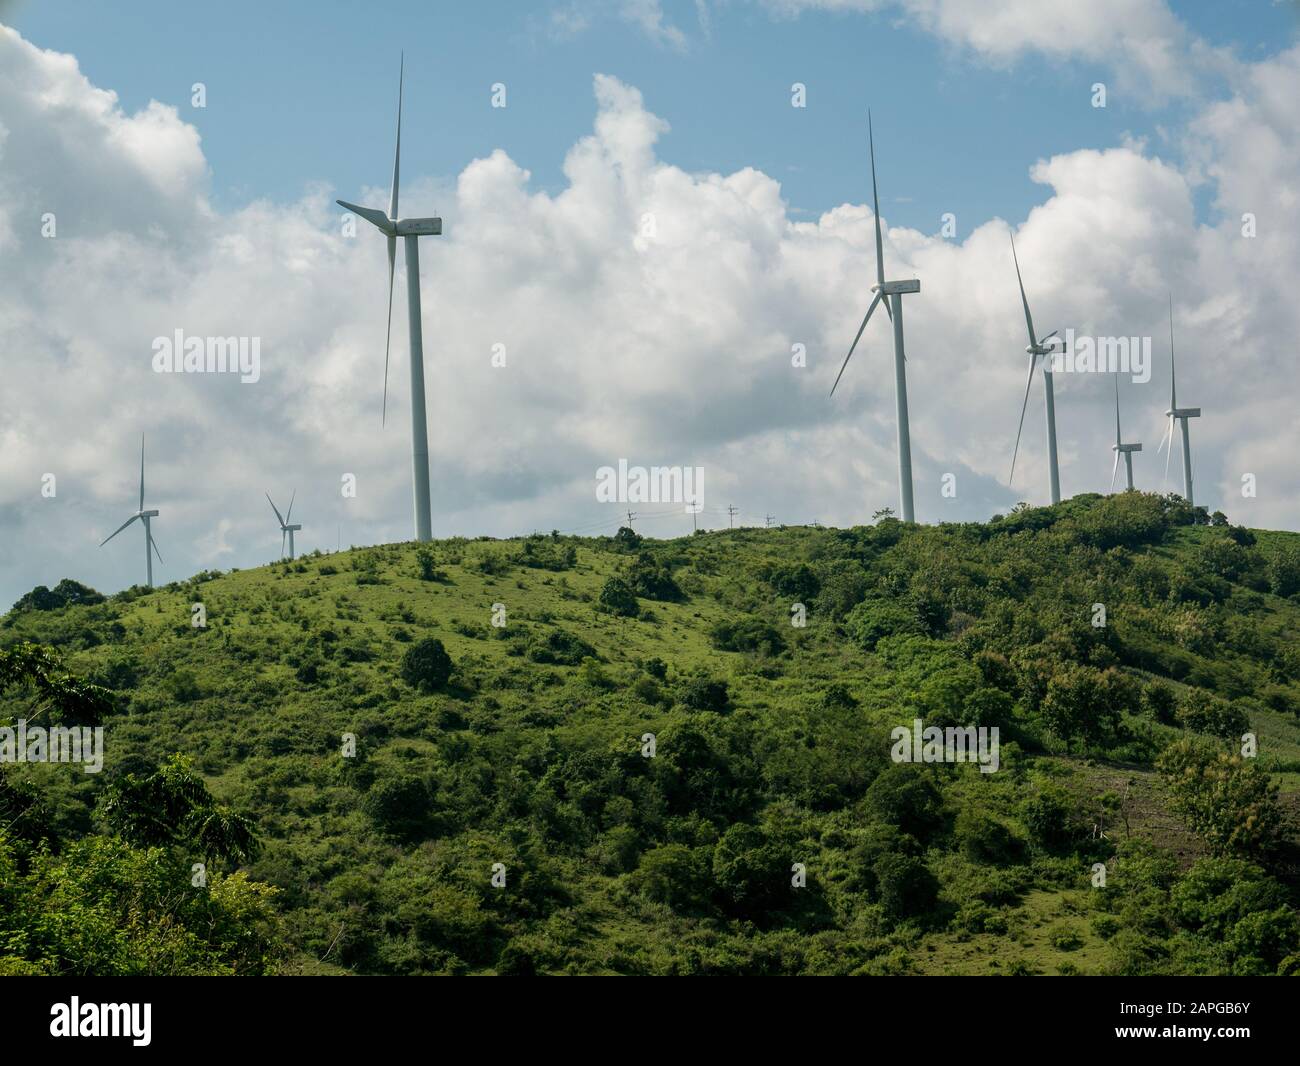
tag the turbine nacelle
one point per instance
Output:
(1183, 412)
(146, 514)
(1126, 447)
(891, 288)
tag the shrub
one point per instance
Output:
(747, 634)
(1207, 713)
(983, 838)
(617, 596)
(426, 665)
(1231, 803)
(648, 578)
(704, 694)
(872, 620)
(906, 887)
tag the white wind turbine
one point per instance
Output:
(284, 522)
(1119, 449)
(1038, 349)
(411, 229)
(1178, 414)
(149, 546)
(892, 293)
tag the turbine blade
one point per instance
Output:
(118, 530)
(1173, 383)
(388, 337)
(1029, 319)
(865, 319)
(1042, 340)
(1029, 380)
(274, 508)
(1114, 470)
(875, 201)
(289, 513)
(372, 215)
(1117, 411)
(397, 155)
(154, 544)
(141, 471)
(283, 534)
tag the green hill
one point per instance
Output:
(1120, 745)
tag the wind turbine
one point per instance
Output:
(284, 522)
(144, 517)
(892, 293)
(410, 229)
(1119, 449)
(1178, 414)
(1037, 349)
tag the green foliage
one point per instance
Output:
(1207, 713)
(616, 595)
(770, 746)
(1230, 802)
(746, 634)
(426, 665)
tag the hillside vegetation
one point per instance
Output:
(610, 755)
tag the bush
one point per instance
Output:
(1050, 818)
(747, 634)
(905, 795)
(984, 839)
(872, 620)
(1231, 803)
(907, 888)
(1207, 713)
(617, 596)
(704, 694)
(426, 665)
(648, 578)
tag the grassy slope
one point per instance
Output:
(268, 741)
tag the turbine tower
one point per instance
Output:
(1178, 414)
(892, 293)
(284, 523)
(1037, 349)
(1119, 449)
(149, 546)
(411, 230)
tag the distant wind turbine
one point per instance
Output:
(1119, 449)
(892, 293)
(149, 546)
(411, 229)
(1178, 414)
(284, 522)
(1038, 349)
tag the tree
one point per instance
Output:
(906, 886)
(1231, 803)
(617, 596)
(426, 665)
(172, 806)
(67, 698)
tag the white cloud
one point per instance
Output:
(663, 345)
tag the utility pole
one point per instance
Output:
(768, 520)
(731, 515)
(630, 515)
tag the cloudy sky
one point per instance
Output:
(127, 213)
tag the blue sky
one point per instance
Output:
(672, 349)
(956, 134)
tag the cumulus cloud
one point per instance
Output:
(646, 313)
